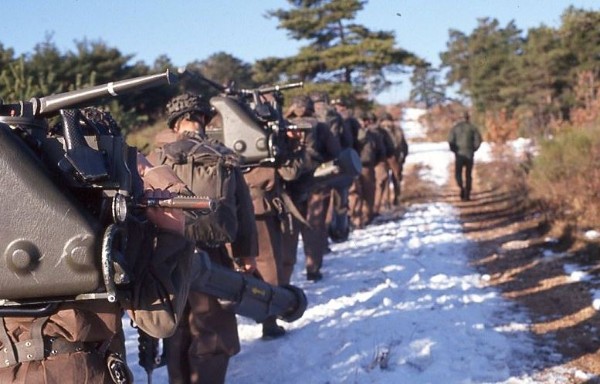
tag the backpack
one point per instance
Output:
(209, 169)
(371, 147)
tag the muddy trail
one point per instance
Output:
(548, 272)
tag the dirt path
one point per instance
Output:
(533, 268)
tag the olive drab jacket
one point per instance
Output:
(464, 139)
(266, 185)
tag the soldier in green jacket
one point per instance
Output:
(464, 139)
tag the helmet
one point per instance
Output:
(340, 101)
(368, 116)
(385, 116)
(319, 97)
(186, 103)
(303, 101)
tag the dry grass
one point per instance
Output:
(566, 177)
(143, 139)
(513, 248)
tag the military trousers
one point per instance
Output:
(205, 339)
(270, 249)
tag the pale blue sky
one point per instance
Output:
(189, 30)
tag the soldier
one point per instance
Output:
(318, 146)
(325, 114)
(273, 214)
(371, 151)
(207, 337)
(396, 162)
(383, 167)
(337, 215)
(351, 124)
(464, 139)
(82, 341)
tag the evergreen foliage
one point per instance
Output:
(337, 50)
(530, 78)
(536, 80)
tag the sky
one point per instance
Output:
(188, 30)
(403, 288)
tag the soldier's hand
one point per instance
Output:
(170, 219)
(247, 264)
(143, 164)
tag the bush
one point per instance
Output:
(566, 176)
(143, 139)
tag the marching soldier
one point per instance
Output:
(207, 337)
(318, 146)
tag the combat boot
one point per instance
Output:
(271, 330)
(313, 276)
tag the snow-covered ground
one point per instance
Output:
(399, 303)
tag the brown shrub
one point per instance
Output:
(566, 177)
(499, 128)
(440, 119)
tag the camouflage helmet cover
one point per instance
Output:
(386, 116)
(340, 101)
(303, 101)
(186, 103)
(368, 116)
(319, 97)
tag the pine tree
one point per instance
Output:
(426, 87)
(338, 50)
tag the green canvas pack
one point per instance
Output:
(209, 170)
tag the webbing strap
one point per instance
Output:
(8, 352)
(32, 349)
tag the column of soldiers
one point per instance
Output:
(273, 207)
(382, 149)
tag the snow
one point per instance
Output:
(592, 234)
(410, 122)
(399, 303)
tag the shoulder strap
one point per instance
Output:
(26, 350)
(10, 357)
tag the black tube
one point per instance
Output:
(245, 294)
(47, 105)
